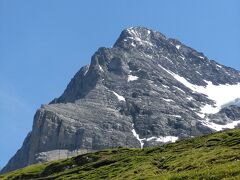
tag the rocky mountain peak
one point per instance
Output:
(139, 36)
(147, 90)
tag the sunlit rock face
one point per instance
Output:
(144, 91)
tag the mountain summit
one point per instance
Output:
(145, 91)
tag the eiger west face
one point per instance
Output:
(144, 91)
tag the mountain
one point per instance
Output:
(215, 156)
(144, 91)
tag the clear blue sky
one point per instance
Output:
(43, 43)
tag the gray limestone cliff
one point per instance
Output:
(144, 91)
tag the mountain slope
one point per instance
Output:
(215, 156)
(144, 91)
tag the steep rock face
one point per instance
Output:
(145, 91)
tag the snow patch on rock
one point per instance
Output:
(222, 94)
(120, 98)
(178, 46)
(163, 139)
(176, 116)
(190, 98)
(137, 136)
(235, 102)
(167, 100)
(132, 78)
(220, 127)
(136, 36)
(100, 67)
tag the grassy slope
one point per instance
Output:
(216, 156)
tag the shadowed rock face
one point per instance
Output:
(128, 96)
